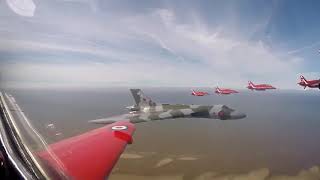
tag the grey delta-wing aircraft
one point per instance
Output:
(147, 110)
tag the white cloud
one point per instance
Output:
(232, 57)
(315, 44)
(198, 55)
(104, 75)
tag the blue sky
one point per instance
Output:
(158, 43)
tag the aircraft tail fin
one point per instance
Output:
(303, 79)
(250, 83)
(140, 99)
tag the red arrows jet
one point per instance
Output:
(225, 91)
(259, 87)
(91, 155)
(199, 93)
(310, 84)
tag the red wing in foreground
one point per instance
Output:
(91, 155)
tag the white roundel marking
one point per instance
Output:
(119, 127)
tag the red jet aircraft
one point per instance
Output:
(310, 84)
(259, 87)
(199, 93)
(225, 91)
(91, 155)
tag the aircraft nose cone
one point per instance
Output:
(237, 115)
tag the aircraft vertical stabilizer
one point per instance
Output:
(140, 99)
